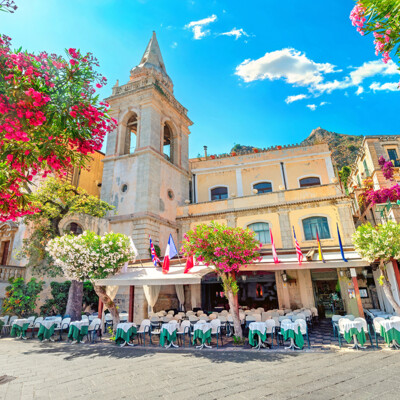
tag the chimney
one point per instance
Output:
(205, 152)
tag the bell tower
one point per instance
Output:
(146, 168)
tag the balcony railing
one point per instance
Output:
(10, 271)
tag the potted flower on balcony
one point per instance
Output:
(255, 150)
(233, 153)
(279, 147)
(212, 157)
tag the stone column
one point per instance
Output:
(282, 291)
(140, 305)
(305, 288)
(286, 232)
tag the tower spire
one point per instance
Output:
(152, 57)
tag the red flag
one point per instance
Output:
(274, 255)
(189, 264)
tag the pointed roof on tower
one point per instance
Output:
(152, 57)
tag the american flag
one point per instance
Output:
(156, 260)
(298, 249)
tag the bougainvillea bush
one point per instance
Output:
(92, 257)
(380, 244)
(227, 250)
(381, 18)
(50, 119)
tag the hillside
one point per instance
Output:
(344, 147)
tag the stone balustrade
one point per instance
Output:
(9, 271)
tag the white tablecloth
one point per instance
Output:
(258, 326)
(289, 325)
(125, 326)
(390, 324)
(2, 319)
(21, 322)
(48, 324)
(348, 324)
(205, 327)
(171, 328)
(79, 324)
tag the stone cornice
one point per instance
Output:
(267, 207)
(142, 215)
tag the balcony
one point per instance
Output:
(10, 271)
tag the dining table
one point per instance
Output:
(354, 330)
(19, 328)
(168, 335)
(202, 332)
(292, 331)
(46, 330)
(78, 330)
(390, 331)
(259, 330)
(125, 333)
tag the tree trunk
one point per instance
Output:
(74, 304)
(235, 313)
(387, 289)
(101, 292)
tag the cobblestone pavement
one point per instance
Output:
(104, 371)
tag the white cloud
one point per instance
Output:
(288, 64)
(391, 86)
(197, 26)
(360, 90)
(297, 97)
(323, 103)
(235, 32)
(174, 45)
(372, 68)
(312, 107)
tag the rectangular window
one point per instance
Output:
(316, 224)
(366, 168)
(393, 157)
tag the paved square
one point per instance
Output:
(104, 371)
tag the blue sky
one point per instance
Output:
(236, 65)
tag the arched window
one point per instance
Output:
(261, 230)
(130, 135)
(313, 225)
(219, 193)
(74, 228)
(168, 143)
(310, 181)
(263, 187)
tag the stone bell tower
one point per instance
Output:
(146, 168)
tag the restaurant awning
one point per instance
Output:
(150, 275)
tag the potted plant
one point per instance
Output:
(279, 147)
(233, 153)
(212, 157)
(255, 150)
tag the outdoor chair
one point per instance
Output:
(298, 316)
(123, 317)
(93, 330)
(216, 330)
(161, 314)
(224, 312)
(304, 330)
(341, 330)
(143, 329)
(335, 319)
(365, 327)
(167, 319)
(183, 330)
(5, 326)
(200, 312)
(193, 319)
(282, 318)
(36, 325)
(351, 317)
(108, 321)
(270, 324)
(279, 312)
(376, 324)
(230, 328)
(204, 318)
(63, 326)
(287, 310)
(224, 322)
(189, 313)
(260, 309)
(265, 316)
(257, 317)
(155, 322)
(277, 323)
(213, 316)
(10, 323)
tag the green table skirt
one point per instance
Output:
(390, 335)
(166, 336)
(361, 338)
(253, 340)
(202, 336)
(18, 331)
(298, 337)
(1, 325)
(76, 334)
(45, 333)
(121, 336)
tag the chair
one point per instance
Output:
(189, 313)
(193, 319)
(123, 317)
(64, 325)
(216, 330)
(200, 312)
(183, 330)
(257, 317)
(155, 326)
(108, 321)
(93, 329)
(287, 310)
(6, 326)
(298, 316)
(260, 310)
(224, 322)
(270, 324)
(143, 329)
(365, 328)
(304, 329)
(335, 319)
(377, 327)
(351, 317)
(230, 326)
(204, 318)
(212, 316)
(280, 313)
(249, 320)
(167, 319)
(282, 318)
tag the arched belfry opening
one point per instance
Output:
(131, 128)
(168, 143)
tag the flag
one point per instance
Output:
(274, 255)
(298, 250)
(189, 264)
(320, 255)
(154, 257)
(170, 252)
(340, 243)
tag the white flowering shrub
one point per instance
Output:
(380, 243)
(90, 256)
